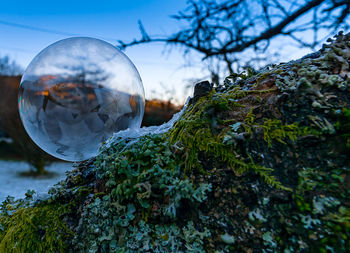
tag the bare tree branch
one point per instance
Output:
(222, 29)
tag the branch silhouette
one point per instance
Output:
(222, 29)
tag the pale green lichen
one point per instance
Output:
(228, 239)
(135, 178)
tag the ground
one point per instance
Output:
(14, 183)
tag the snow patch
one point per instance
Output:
(133, 134)
(12, 184)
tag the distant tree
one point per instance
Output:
(9, 68)
(11, 123)
(231, 34)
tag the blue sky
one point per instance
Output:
(160, 69)
(107, 20)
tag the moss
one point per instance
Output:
(194, 134)
(82, 191)
(274, 130)
(34, 229)
(343, 125)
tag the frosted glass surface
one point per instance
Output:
(76, 93)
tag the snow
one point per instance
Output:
(6, 139)
(134, 133)
(15, 185)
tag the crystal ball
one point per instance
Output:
(76, 93)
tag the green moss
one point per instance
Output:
(82, 191)
(34, 229)
(343, 125)
(194, 134)
(275, 130)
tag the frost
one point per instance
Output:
(269, 240)
(236, 126)
(256, 215)
(309, 221)
(320, 203)
(133, 134)
(228, 239)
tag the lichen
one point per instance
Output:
(144, 183)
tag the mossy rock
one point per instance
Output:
(258, 164)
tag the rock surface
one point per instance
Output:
(259, 164)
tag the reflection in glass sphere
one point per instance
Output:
(76, 93)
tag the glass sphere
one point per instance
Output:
(76, 93)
